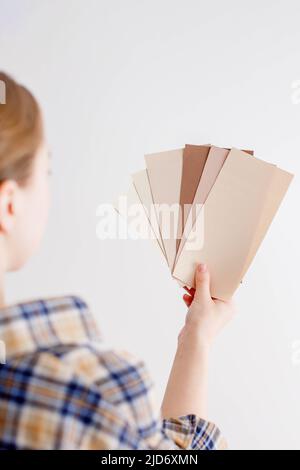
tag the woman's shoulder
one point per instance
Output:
(65, 327)
(57, 339)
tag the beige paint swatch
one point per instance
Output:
(164, 172)
(232, 212)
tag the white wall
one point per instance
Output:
(118, 79)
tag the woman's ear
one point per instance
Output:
(8, 203)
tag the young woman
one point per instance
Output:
(59, 387)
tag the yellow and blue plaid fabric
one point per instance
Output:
(61, 388)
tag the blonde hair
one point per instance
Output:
(21, 130)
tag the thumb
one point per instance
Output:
(202, 283)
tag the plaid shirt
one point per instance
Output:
(61, 388)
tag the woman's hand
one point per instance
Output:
(187, 389)
(206, 316)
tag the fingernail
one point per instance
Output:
(202, 268)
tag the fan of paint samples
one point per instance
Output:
(206, 204)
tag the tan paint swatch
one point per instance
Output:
(279, 186)
(231, 212)
(165, 172)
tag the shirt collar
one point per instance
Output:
(41, 324)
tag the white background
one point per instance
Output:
(118, 79)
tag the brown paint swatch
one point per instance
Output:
(194, 159)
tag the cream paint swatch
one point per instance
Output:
(232, 211)
(142, 186)
(212, 168)
(125, 210)
(131, 198)
(279, 186)
(164, 172)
